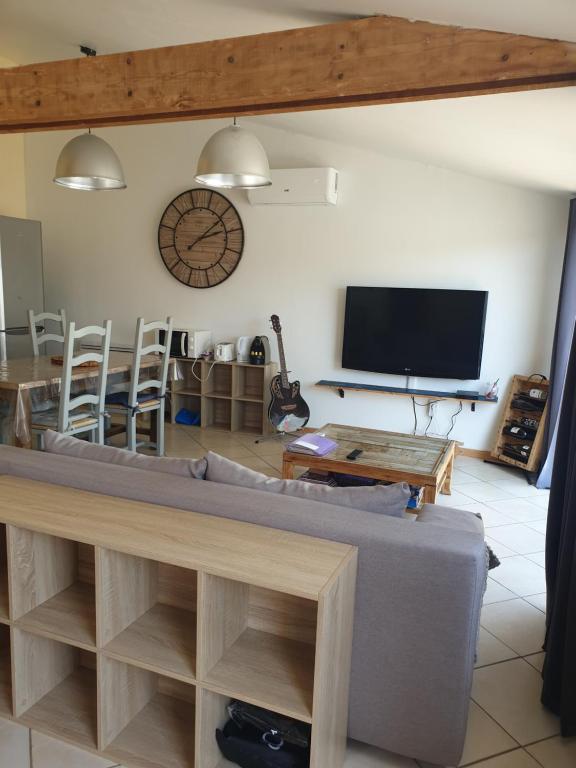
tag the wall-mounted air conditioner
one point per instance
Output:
(298, 186)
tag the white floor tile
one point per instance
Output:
(519, 538)
(234, 452)
(515, 623)
(484, 737)
(461, 477)
(520, 510)
(519, 487)
(499, 549)
(360, 755)
(555, 753)
(538, 601)
(490, 517)
(258, 465)
(496, 593)
(538, 525)
(510, 693)
(537, 661)
(490, 650)
(538, 557)
(455, 499)
(541, 502)
(14, 745)
(517, 759)
(485, 492)
(484, 470)
(520, 576)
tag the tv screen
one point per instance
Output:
(415, 331)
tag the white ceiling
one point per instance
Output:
(527, 139)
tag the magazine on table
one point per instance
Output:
(312, 445)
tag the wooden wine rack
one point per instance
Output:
(126, 628)
(520, 385)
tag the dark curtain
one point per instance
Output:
(562, 344)
(559, 674)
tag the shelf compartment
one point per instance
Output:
(219, 380)
(248, 417)
(5, 674)
(211, 714)
(146, 720)
(149, 616)
(4, 605)
(217, 412)
(55, 688)
(249, 382)
(52, 590)
(184, 399)
(257, 645)
(191, 371)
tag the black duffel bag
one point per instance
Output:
(257, 738)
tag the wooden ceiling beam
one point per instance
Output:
(370, 61)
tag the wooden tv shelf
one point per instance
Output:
(126, 628)
(230, 396)
(406, 391)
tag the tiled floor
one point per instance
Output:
(508, 727)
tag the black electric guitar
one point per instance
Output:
(288, 411)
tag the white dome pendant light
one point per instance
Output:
(88, 162)
(233, 158)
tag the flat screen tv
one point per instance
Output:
(415, 331)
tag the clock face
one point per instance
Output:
(201, 238)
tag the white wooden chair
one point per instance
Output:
(84, 412)
(145, 396)
(42, 338)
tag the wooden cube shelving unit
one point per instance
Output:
(180, 613)
(229, 396)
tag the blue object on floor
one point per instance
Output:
(190, 418)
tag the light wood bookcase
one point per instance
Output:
(230, 396)
(126, 628)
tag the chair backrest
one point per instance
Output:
(140, 351)
(97, 398)
(44, 336)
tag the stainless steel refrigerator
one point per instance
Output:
(21, 283)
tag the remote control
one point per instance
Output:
(353, 455)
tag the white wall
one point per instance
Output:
(397, 223)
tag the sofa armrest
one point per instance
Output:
(450, 517)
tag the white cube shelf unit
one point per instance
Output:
(230, 396)
(126, 628)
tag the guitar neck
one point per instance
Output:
(282, 356)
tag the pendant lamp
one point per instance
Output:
(88, 162)
(233, 158)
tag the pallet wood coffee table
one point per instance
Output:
(393, 456)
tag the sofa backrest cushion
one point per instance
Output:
(382, 499)
(65, 445)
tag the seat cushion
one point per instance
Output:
(54, 442)
(382, 499)
(122, 398)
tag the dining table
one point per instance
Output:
(30, 384)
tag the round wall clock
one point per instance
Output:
(201, 238)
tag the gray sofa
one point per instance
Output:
(419, 594)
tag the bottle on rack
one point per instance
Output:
(523, 402)
(517, 452)
(526, 421)
(519, 430)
